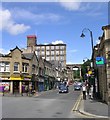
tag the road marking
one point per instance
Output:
(77, 103)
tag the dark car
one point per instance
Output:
(63, 89)
(77, 87)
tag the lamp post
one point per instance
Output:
(91, 36)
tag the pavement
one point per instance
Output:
(94, 108)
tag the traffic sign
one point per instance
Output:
(100, 61)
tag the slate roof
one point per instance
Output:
(28, 55)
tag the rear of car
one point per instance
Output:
(63, 89)
(77, 87)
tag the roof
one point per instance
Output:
(31, 36)
(105, 27)
(51, 44)
(16, 48)
(1, 55)
(28, 55)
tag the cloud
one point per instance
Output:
(3, 51)
(71, 5)
(36, 17)
(73, 51)
(8, 24)
(97, 41)
(58, 42)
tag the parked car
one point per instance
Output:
(63, 89)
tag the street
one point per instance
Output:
(49, 104)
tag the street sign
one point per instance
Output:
(100, 61)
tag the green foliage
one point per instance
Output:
(84, 68)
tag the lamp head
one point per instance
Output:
(83, 60)
(82, 35)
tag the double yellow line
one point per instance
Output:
(77, 103)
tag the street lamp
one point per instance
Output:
(85, 59)
(83, 35)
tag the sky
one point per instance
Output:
(58, 22)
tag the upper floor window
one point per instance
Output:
(25, 67)
(42, 48)
(47, 47)
(57, 47)
(62, 47)
(52, 52)
(47, 52)
(16, 66)
(4, 66)
(52, 47)
(47, 58)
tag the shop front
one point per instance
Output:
(41, 84)
(15, 83)
(46, 82)
(4, 85)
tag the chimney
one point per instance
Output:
(31, 40)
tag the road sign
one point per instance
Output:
(100, 61)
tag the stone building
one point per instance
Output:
(103, 71)
(49, 52)
(17, 70)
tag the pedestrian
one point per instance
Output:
(26, 89)
(30, 89)
(91, 92)
(84, 91)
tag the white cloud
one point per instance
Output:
(36, 17)
(8, 24)
(3, 51)
(70, 5)
(58, 42)
(74, 62)
(97, 41)
(73, 51)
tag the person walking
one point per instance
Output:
(91, 92)
(84, 91)
(26, 89)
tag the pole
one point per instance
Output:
(82, 35)
(94, 88)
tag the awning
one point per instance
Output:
(28, 78)
(15, 78)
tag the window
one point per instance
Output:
(57, 47)
(47, 52)
(4, 66)
(43, 53)
(16, 66)
(62, 47)
(52, 47)
(47, 48)
(57, 52)
(25, 67)
(52, 58)
(57, 58)
(47, 58)
(7, 66)
(38, 48)
(52, 52)
(43, 48)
